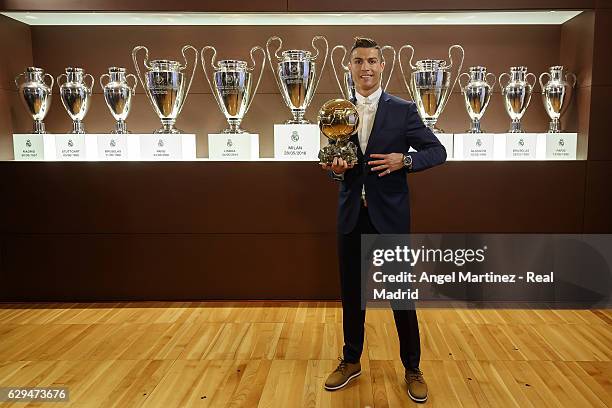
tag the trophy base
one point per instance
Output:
(120, 128)
(168, 128)
(475, 127)
(515, 127)
(297, 122)
(347, 152)
(77, 128)
(39, 128)
(431, 124)
(554, 127)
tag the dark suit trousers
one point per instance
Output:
(353, 317)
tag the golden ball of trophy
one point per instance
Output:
(338, 120)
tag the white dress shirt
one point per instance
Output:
(366, 107)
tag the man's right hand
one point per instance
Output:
(338, 166)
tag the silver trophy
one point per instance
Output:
(118, 95)
(347, 86)
(233, 85)
(555, 94)
(296, 75)
(76, 96)
(430, 84)
(165, 85)
(477, 94)
(517, 94)
(35, 95)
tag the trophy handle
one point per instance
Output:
(195, 65)
(388, 47)
(541, 79)
(213, 60)
(534, 80)
(58, 80)
(450, 56)
(102, 82)
(574, 78)
(261, 71)
(461, 86)
(93, 81)
(138, 73)
(320, 37)
(22, 74)
(503, 88)
(133, 88)
(333, 64)
(280, 44)
(399, 55)
(491, 83)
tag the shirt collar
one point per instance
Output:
(372, 98)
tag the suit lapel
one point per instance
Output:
(379, 119)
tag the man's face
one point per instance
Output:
(366, 69)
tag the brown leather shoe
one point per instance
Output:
(417, 388)
(342, 375)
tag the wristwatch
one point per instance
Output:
(407, 161)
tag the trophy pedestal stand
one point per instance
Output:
(73, 146)
(297, 142)
(166, 146)
(113, 146)
(521, 146)
(233, 146)
(475, 146)
(557, 146)
(29, 146)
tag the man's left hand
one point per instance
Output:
(386, 162)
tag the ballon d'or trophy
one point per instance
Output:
(347, 86)
(338, 120)
(35, 95)
(555, 94)
(429, 84)
(165, 85)
(232, 85)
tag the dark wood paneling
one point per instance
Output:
(576, 46)
(146, 267)
(16, 51)
(598, 199)
(600, 143)
(602, 68)
(499, 197)
(143, 5)
(212, 197)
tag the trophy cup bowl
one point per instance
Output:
(554, 94)
(76, 96)
(477, 94)
(165, 85)
(429, 84)
(297, 75)
(347, 86)
(231, 85)
(517, 95)
(118, 95)
(35, 95)
(338, 120)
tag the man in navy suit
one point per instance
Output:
(373, 199)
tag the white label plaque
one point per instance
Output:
(112, 146)
(474, 146)
(297, 142)
(561, 146)
(521, 146)
(233, 146)
(164, 146)
(28, 147)
(70, 146)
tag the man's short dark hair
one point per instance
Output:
(362, 42)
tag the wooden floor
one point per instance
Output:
(278, 355)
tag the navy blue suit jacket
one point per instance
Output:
(397, 127)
